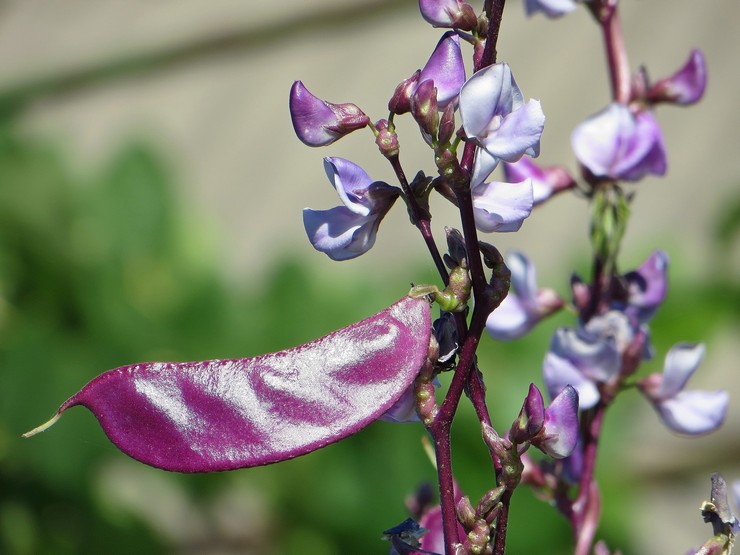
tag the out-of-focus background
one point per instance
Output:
(150, 208)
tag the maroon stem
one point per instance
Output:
(616, 54)
(502, 524)
(583, 529)
(422, 218)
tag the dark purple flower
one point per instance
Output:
(445, 68)
(456, 14)
(617, 144)
(499, 122)
(684, 87)
(551, 8)
(525, 305)
(546, 182)
(647, 286)
(501, 207)
(319, 123)
(226, 414)
(348, 231)
(685, 412)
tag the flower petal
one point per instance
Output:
(351, 183)
(551, 8)
(596, 358)
(684, 87)
(510, 320)
(488, 93)
(680, 364)
(559, 372)
(518, 134)
(502, 206)
(340, 233)
(694, 412)
(446, 69)
(647, 285)
(561, 424)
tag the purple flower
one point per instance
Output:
(449, 13)
(617, 144)
(551, 8)
(445, 68)
(684, 87)
(502, 206)
(348, 231)
(586, 357)
(647, 286)
(496, 118)
(525, 305)
(319, 123)
(554, 429)
(685, 412)
(546, 182)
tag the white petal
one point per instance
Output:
(502, 206)
(680, 363)
(694, 412)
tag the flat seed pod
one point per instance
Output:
(227, 414)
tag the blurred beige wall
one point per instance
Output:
(208, 83)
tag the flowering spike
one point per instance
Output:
(319, 123)
(226, 414)
(684, 87)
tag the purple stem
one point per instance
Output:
(502, 524)
(422, 218)
(583, 529)
(616, 54)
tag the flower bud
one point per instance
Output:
(400, 102)
(424, 110)
(386, 140)
(684, 87)
(531, 417)
(455, 14)
(465, 513)
(319, 123)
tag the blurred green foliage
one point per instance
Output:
(104, 271)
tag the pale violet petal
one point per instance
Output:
(446, 69)
(403, 410)
(518, 134)
(340, 233)
(351, 183)
(502, 206)
(561, 424)
(559, 372)
(596, 358)
(489, 93)
(523, 278)
(483, 164)
(551, 8)
(694, 412)
(680, 363)
(510, 320)
(596, 142)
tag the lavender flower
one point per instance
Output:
(445, 68)
(684, 87)
(617, 144)
(502, 206)
(498, 121)
(319, 123)
(457, 14)
(525, 305)
(647, 286)
(546, 182)
(554, 429)
(684, 412)
(348, 231)
(551, 8)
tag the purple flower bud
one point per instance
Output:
(445, 68)
(551, 8)
(501, 207)
(531, 417)
(424, 110)
(546, 182)
(348, 231)
(616, 144)
(525, 305)
(496, 118)
(449, 13)
(226, 414)
(684, 87)
(559, 435)
(319, 123)
(583, 360)
(684, 412)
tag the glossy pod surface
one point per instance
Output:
(227, 414)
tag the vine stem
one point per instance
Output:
(583, 518)
(616, 54)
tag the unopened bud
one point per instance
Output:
(465, 513)
(386, 139)
(400, 102)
